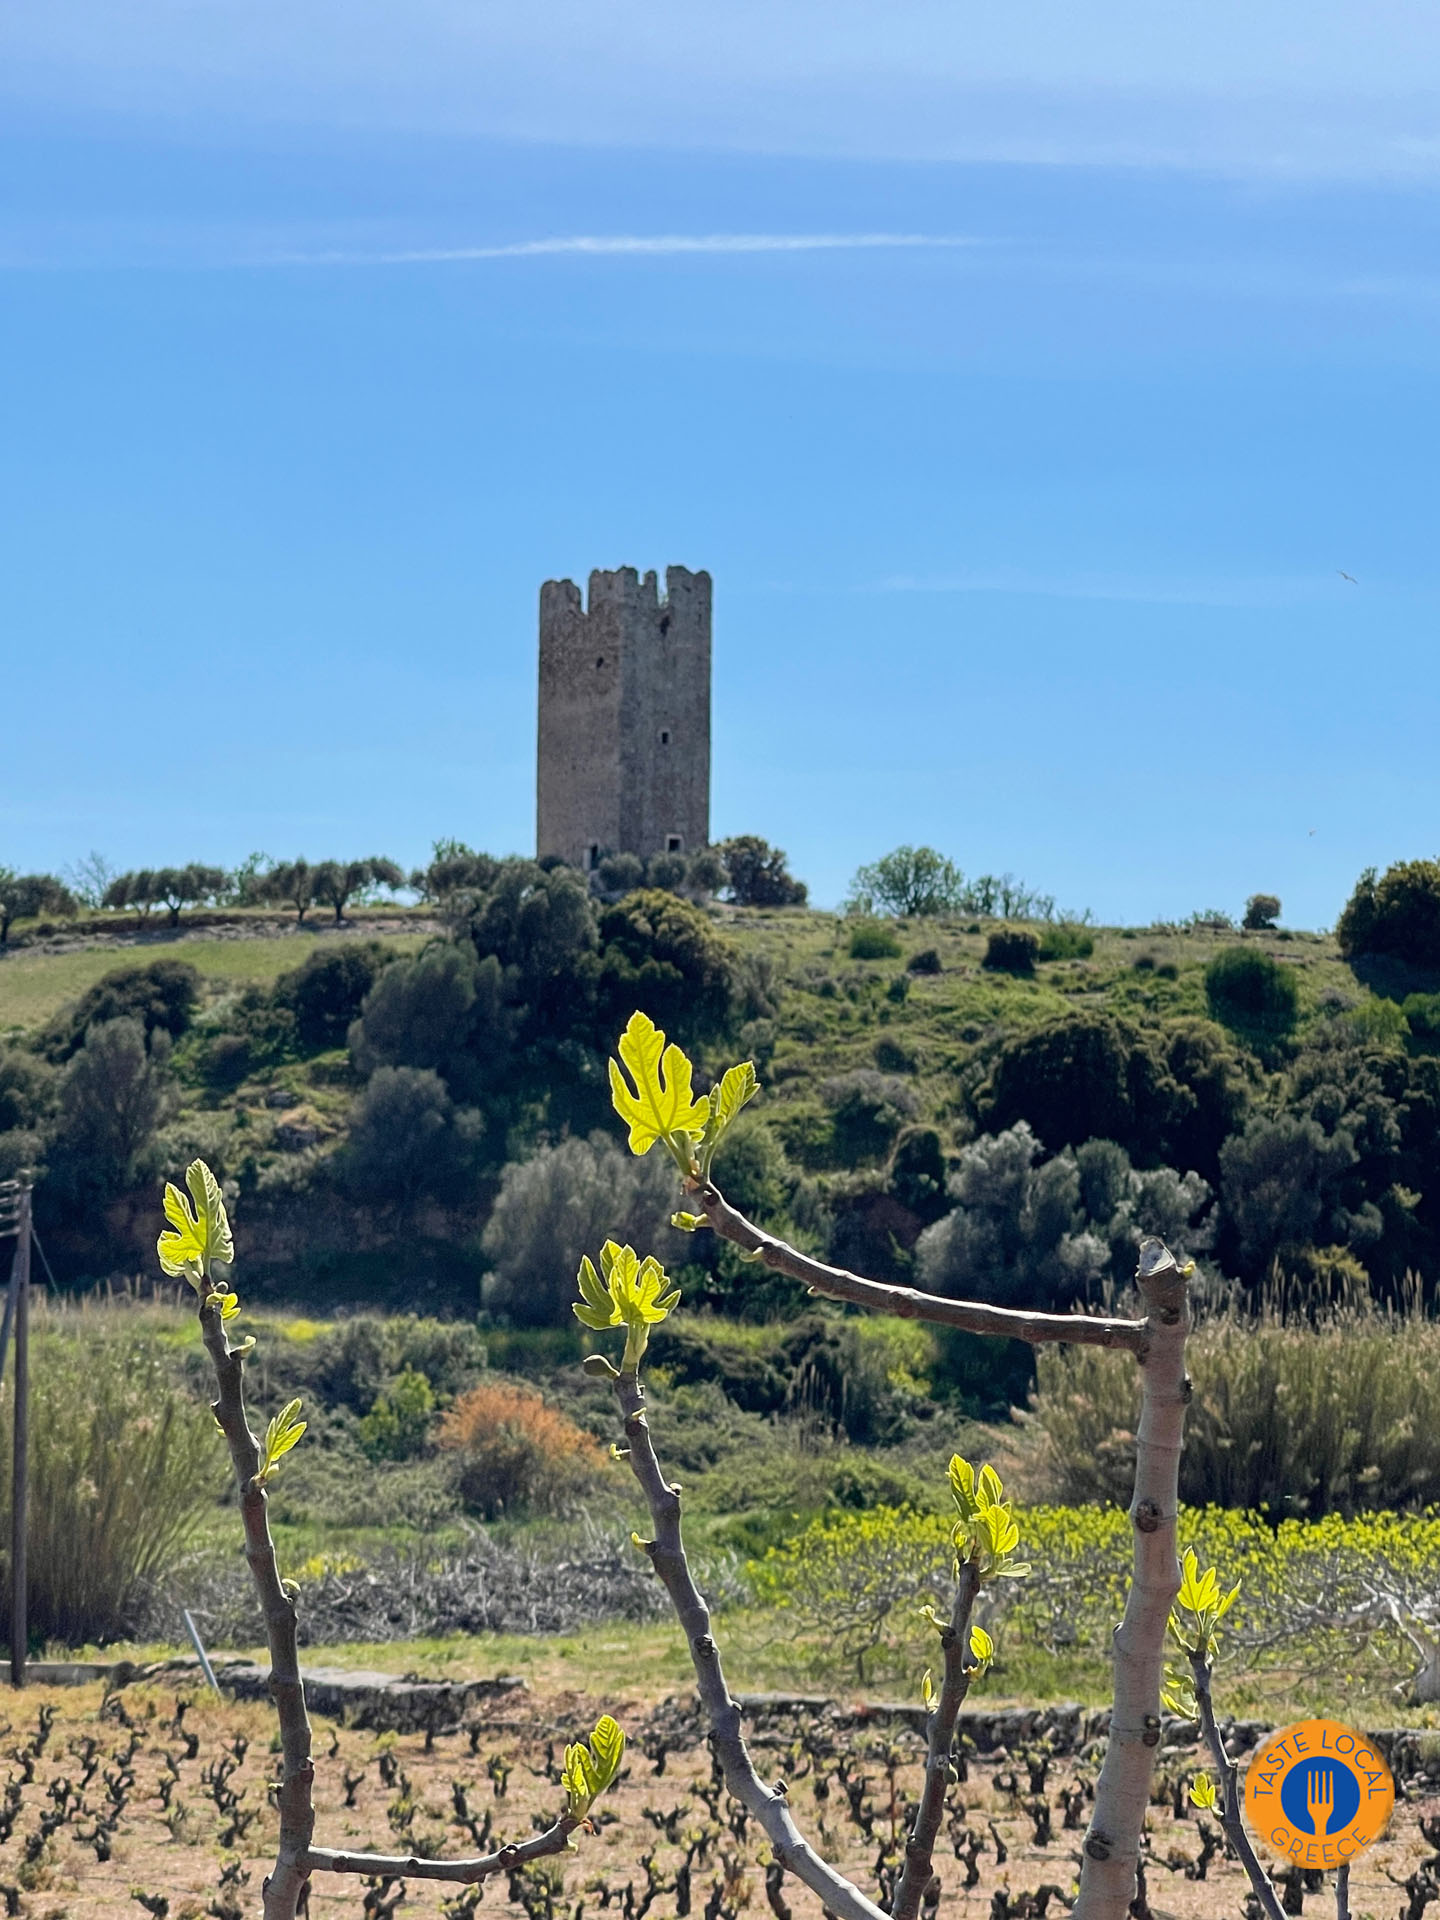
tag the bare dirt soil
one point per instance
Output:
(146, 1793)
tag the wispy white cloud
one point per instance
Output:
(607, 245)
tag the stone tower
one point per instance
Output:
(624, 760)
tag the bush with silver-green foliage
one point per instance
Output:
(552, 1208)
(1024, 1227)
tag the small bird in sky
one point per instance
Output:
(1312, 833)
(1347, 576)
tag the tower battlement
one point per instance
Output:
(624, 733)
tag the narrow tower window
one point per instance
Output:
(664, 736)
(672, 843)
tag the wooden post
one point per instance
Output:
(20, 1285)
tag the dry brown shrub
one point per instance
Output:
(516, 1453)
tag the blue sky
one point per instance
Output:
(1023, 381)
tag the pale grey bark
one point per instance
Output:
(908, 1303)
(768, 1805)
(919, 1866)
(1122, 1793)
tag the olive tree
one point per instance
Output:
(336, 882)
(28, 896)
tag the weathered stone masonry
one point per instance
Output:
(624, 750)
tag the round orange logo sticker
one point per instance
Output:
(1319, 1793)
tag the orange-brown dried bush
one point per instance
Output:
(517, 1454)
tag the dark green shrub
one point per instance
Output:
(666, 871)
(1397, 915)
(869, 940)
(756, 874)
(819, 1367)
(352, 1363)
(1253, 995)
(868, 1110)
(893, 1056)
(1216, 1081)
(427, 1012)
(326, 993)
(986, 1377)
(664, 954)
(227, 1059)
(1274, 1181)
(1262, 910)
(539, 922)
(757, 1174)
(26, 1089)
(162, 995)
(1422, 1014)
(258, 1033)
(1066, 942)
(1088, 1076)
(924, 960)
(621, 873)
(1011, 950)
(116, 1093)
(898, 988)
(917, 1172)
(407, 1138)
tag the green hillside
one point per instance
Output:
(404, 1107)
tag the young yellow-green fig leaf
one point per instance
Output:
(927, 1691)
(1201, 1600)
(627, 1292)
(201, 1235)
(986, 1532)
(982, 1649)
(657, 1102)
(1202, 1792)
(281, 1435)
(228, 1303)
(590, 1768)
(1177, 1694)
(962, 1485)
(735, 1089)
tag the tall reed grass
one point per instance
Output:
(123, 1465)
(1302, 1406)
